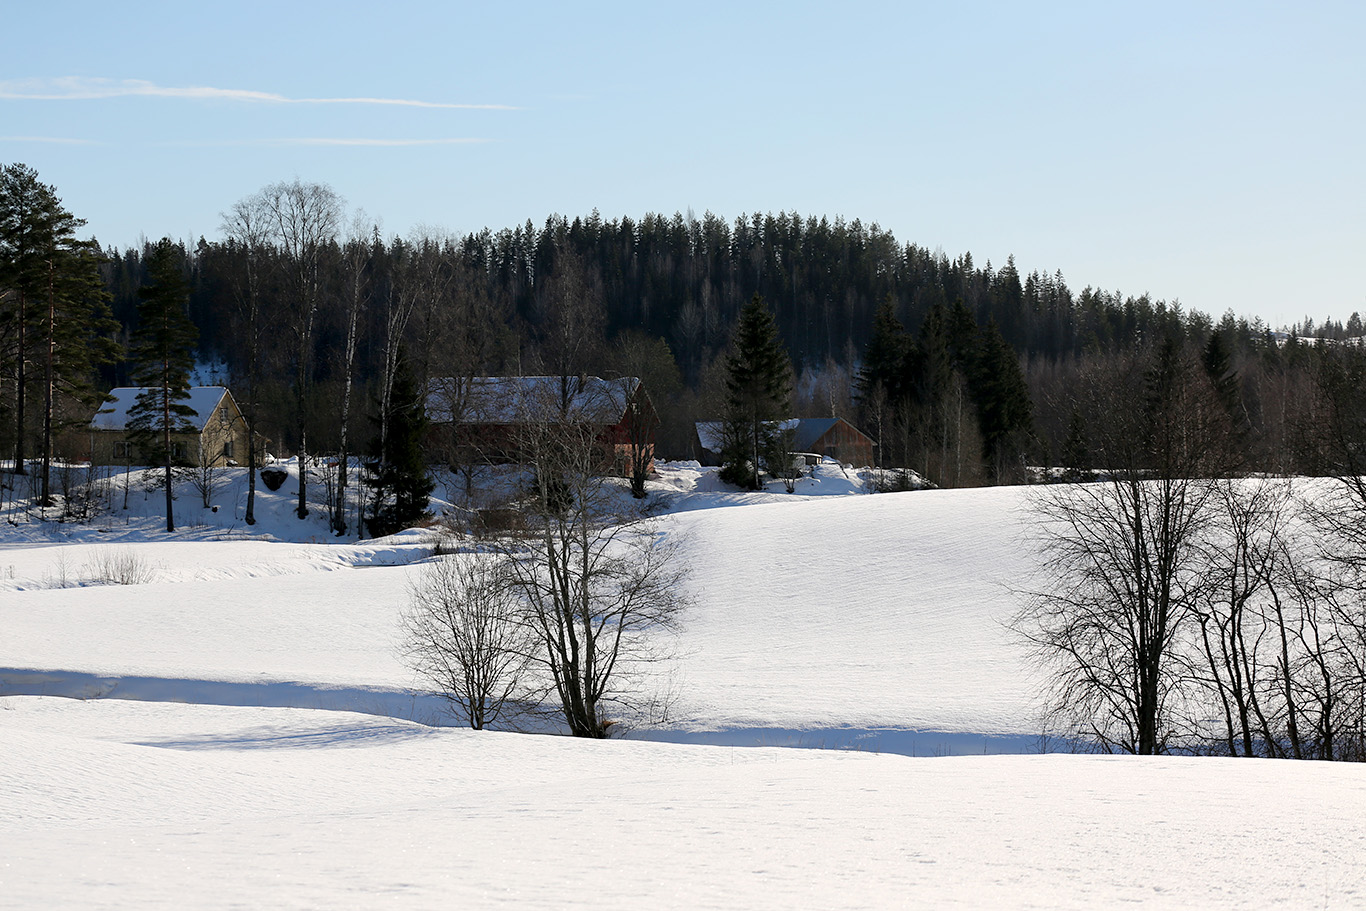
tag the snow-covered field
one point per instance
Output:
(871, 625)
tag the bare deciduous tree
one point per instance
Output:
(465, 636)
(1280, 628)
(246, 229)
(1241, 643)
(356, 297)
(205, 477)
(601, 590)
(570, 318)
(468, 339)
(1121, 568)
(303, 219)
(1185, 609)
(1120, 558)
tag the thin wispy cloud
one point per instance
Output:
(325, 141)
(328, 141)
(78, 88)
(56, 140)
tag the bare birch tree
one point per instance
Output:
(247, 232)
(356, 294)
(466, 341)
(303, 220)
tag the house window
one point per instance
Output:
(227, 449)
(180, 452)
(122, 450)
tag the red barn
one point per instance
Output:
(486, 418)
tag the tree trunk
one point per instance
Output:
(47, 387)
(166, 441)
(21, 383)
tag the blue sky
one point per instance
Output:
(1213, 153)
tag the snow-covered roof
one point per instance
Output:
(805, 432)
(515, 399)
(113, 415)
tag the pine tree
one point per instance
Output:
(163, 358)
(78, 335)
(400, 485)
(56, 313)
(758, 395)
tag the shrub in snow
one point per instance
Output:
(465, 636)
(120, 566)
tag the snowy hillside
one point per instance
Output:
(820, 619)
(829, 618)
(870, 612)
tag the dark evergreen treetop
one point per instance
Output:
(935, 357)
(396, 471)
(686, 279)
(53, 308)
(758, 371)
(83, 329)
(831, 285)
(758, 396)
(885, 365)
(163, 359)
(60, 291)
(1219, 368)
(33, 228)
(1004, 413)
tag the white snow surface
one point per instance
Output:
(141, 805)
(265, 752)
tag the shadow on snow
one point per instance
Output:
(433, 710)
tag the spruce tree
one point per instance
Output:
(163, 358)
(1004, 412)
(758, 395)
(933, 375)
(1219, 368)
(396, 473)
(885, 358)
(885, 379)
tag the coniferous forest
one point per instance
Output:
(966, 372)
